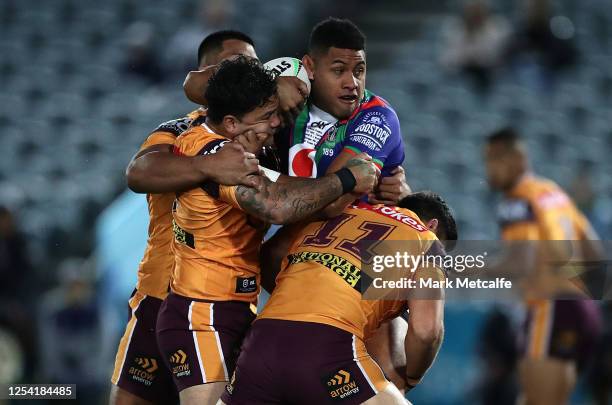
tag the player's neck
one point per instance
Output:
(321, 113)
(517, 182)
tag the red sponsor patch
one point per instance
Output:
(394, 214)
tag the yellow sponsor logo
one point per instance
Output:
(179, 357)
(340, 385)
(342, 377)
(339, 265)
(144, 372)
(149, 365)
(180, 368)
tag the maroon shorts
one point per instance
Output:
(302, 363)
(139, 368)
(200, 341)
(564, 329)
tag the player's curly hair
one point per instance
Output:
(429, 205)
(239, 86)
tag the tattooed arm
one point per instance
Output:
(298, 198)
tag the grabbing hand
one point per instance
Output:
(234, 166)
(292, 93)
(365, 172)
(391, 189)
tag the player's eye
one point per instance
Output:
(338, 71)
(359, 72)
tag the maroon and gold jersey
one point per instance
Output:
(321, 274)
(537, 209)
(156, 265)
(216, 243)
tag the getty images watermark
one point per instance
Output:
(476, 270)
(408, 264)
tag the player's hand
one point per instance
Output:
(196, 82)
(365, 171)
(391, 189)
(232, 165)
(251, 141)
(292, 94)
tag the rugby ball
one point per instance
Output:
(288, 66)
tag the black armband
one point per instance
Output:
(347, 179)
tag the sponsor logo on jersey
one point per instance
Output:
(246, 285)
(182, 236)
(339, 265)
(340, 385)
(144, 371)
(392, 213)
(179, 365)
(318, 124)
(302, 161)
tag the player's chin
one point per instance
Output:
(344, 110)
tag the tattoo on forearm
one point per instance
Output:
(291, 201)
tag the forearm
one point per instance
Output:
(420, 354)
(292, 201)
(162, 172)
(335, 208)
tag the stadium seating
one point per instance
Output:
(71, 121)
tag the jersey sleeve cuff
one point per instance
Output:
(355, 151)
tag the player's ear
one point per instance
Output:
(309, 65)
(230, 124)
(432, 225)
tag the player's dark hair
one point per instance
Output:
(429, 205)
(337, 33)
(213, 43)
(507, 136)
(239, 86)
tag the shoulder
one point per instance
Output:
(375, 111)
(199, 141)
(545, 194)
(180, 125)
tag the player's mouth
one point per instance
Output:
(348, 99)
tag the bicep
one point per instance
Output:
(164, 148)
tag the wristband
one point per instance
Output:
(347, 179)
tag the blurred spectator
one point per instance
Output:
(474, 43)
(542, 45)
(181, 51)
(72, 338)
(141, 59)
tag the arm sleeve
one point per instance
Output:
(377, 132)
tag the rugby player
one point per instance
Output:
(307, 345)
(559, 332)
(218, 231)
(140, 376)
(341, 119)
